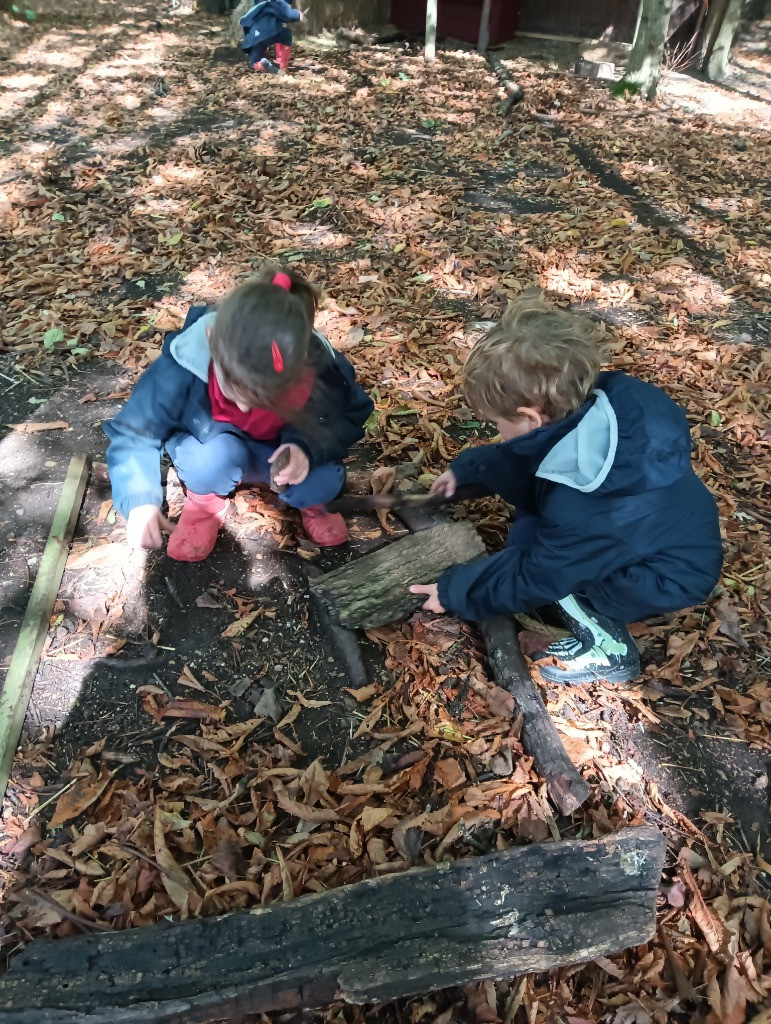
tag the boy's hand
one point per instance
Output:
(146, 524)
(431, 604)
(295, 470)
(445, 484)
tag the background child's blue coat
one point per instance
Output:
(263, 22)
(608, 507)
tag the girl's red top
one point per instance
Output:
(260, 424)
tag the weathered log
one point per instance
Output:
(374, 590)
(511, 912)
(540, 738)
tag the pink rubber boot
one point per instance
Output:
(327, 529)
(197, 528)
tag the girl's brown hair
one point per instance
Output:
(261, 336)
(537, 355)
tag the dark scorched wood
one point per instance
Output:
(512, 912)
(540, 738)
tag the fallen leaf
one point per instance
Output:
(716, 934)
(188, 679)
(240, 625)
(175, 881)
(363, 692)
(82, 795)
(92, 836)
(302, 811)
(34, 428)
(728, 619)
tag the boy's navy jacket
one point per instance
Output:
(172, 396)
(620, 516)
(265, 20)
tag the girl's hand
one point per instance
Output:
(295, 470)
(445, 484)
(146, 524)
(431, 604)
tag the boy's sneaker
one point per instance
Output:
(599, 648)
(266, 66)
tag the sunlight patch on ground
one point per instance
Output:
(18, 89)
(704, 98)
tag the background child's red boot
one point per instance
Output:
(283, 54)
(327, 529)
(198, 526)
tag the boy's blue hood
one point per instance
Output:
(627, 438)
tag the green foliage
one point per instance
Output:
(625, 89)
(52, 337)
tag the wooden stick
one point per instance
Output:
(17, 690)
(540, 738)
(516, 911)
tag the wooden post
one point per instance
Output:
(17, 689)
(484, 27)
(516, 911)
(431, 18)
(540, 738)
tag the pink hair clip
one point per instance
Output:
(278, 359)
(283, 281)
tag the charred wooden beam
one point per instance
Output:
(511, 912)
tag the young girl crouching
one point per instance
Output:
(232, 391)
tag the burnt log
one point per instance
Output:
(540, 738)
(374, 590)
(507, 913)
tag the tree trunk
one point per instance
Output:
(511, 912)
(720, 52)
(644, 68)
(374, 590)
(715, 13)
(540, 738)
(431, 16)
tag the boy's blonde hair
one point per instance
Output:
(536, 355)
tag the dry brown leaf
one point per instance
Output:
(34, 428)
(363, 692)
(370, 817)
(302, 811)
(240, 625)
(82, 795)
(240, 886)
(92, 836)
(286, 878)
(175, 881)
(188, 679)
(728, 619)
(715, 933)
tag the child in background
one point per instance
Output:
(233, 390)
(263, 25)
(612, 524)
